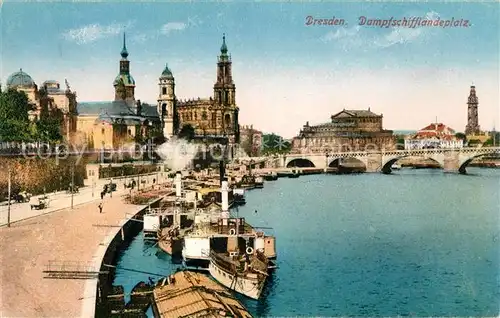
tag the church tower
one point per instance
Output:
(225, 95)
(124, 83)
(166, 102)
(472, 127)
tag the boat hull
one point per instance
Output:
(248, 286)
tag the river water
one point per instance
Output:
(416, 242)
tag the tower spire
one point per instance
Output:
(124, 52)
(223, 48)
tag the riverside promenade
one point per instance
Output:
(67, 235)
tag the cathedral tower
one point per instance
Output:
(225, 95)
(472, 127)
(166, 102)
(124, 83)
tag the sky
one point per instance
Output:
(286, 72)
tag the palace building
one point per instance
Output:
(348, 130)
(51, 94)
(435, 135)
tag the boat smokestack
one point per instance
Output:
(178, 186)
(225, 198)
(222, 172)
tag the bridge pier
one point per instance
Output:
(451, 162)
(374, 162)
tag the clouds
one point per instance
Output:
(172, 26)
(96, 31)
(93, 32)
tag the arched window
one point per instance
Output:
(227, 120)
(226, 98)
(102, 131)
(164, 109)
(220, 96)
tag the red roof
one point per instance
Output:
(436, 130)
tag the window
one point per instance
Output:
(227, 120)
(164, 90)
(226, 97)
(164, 109)
(102, 131)
(195, 116)
(204, 115)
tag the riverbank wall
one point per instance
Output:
(106, 256)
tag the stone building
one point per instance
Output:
(214, 118)
(51, 94)
(348, 130)
(433, 136)
(112, 124)
(251, 140)
(472, 127)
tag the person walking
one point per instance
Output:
(100, 207)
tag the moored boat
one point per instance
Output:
(245, 273)
(192, 294)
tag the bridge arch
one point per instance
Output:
(300, 163)
(348, 164)
(386, 167)
(463, 165)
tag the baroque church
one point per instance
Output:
(112, 124)
(214, 118)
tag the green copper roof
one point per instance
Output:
(124, 52)
(223, 48)
(20, 79)
(127, 79)
(167, 72)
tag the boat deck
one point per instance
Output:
(193, 294)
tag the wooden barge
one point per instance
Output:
(192, 294)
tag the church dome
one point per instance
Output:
(167, 73)
(20, 79)
(128, 80)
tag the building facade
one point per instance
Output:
(113, 124)
(433, 136)
(50, 95)
(472, 127)
(348, 130)
(214, 118)
(251, 140)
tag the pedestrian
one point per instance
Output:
(100, 207)
(102, 195)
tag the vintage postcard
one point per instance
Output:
(249, 159)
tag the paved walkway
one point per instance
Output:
(68, 235)
(61, 200)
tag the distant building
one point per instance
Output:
(348, 130)
(51, 94)
(472, 127)
(436, 135)
(251, 140)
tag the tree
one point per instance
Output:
(51, 119)
(461, 136)
(14, 120)
(187, 132)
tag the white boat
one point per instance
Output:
(395, 167)
(217, 223)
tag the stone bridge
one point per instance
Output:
(452, 160)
